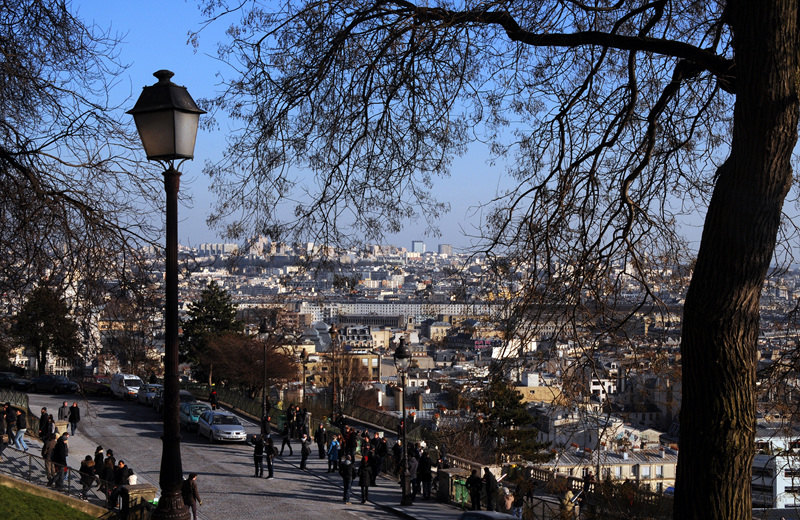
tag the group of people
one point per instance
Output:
(16, 425)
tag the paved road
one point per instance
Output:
(227, 487)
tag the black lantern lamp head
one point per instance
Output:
(166, 118)
(402, 356)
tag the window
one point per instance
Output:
(644, 471)
(659, 471)
(617, 471)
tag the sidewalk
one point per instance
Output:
(386, 494)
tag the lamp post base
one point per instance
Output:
(171, 507)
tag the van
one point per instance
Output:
(125, 386)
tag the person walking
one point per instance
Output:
(270, 450)
(413, 467)
(258, 455)
(347, 471)
(474, 484)
(22, 427)
(74, 417)
(212, 399)
(63, 412)
(424, 475)
(10, 418)
(333, 454)
(43, 424)
(364, 478)
(190, 495)
(47, 454)
(87, 472)
(60, 454)
(287, 439)
(491, 488)
(321, 438)
(50, 429)
(305, 450)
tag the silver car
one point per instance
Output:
(220, 426)
(147, 393)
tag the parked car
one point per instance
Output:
(53, 384)
(184, 396)
(220, 426)
(96, 385)
(190, 413)
(12, 380)
(148, 392)
(125, 386)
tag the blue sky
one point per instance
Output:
(154, 36)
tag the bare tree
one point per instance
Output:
(614, 118)
(73, 198)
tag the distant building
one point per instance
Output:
(445, 249)
(418, 246)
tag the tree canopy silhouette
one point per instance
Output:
(613, 119)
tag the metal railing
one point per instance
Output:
(37, 470)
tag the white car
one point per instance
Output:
(147, 393)
(220, 426)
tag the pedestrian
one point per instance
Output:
(107, 476)
(287, 439)
(568, 505)
(98, 465)
(51, 430)
(291, 420)
(63, 412)
(413, 467)
(347, 471)
(60, 454)
(258, 455)
(212, 399)
(321, 438)
(74, 417)
(190, 495)
(397, 454)
(474, 487)
(10, 418)
(374, 464)
(22, 427)
(270, 451)
(333, 454)
(424, 474)
(491, 488)
(43, 424)
(87, 472)
(305, 450)
(381, 452)
(121, 477)
(364, 478)
(47, 454)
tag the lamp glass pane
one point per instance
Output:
(185, 133)
(157, 132)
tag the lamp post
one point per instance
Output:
(402, 358)
(166, 118)
(334, 332)
(263, 334)
(304, 359)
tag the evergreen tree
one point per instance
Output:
(45, 325)
(210, 317)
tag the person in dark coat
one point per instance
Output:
(270, 450)
(87, 475)
(10, 418)
(491, 488)
(63, 412)
(364, 478)
(321, 438)
(305, 450)
(60, 454)
(190, 495)
(74, 417)
(43, 424)
(347, 471)
(47, 454)
(22, 427)
(212, 399)
(397, 454)
(381, 452)
(258, 455)
(424, 474)
(474, 484)
(50, 429)
(287, 439)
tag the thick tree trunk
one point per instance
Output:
(721, 315)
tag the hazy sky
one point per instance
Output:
(154, 36)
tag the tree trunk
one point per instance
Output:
(721, 315)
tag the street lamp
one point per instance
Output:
(166, 118)
(334, 332)
(304, 358)
(263, 334)
(402, 357)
